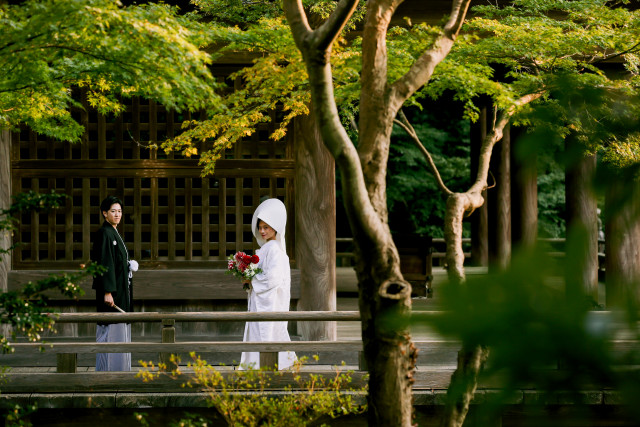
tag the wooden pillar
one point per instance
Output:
(499, 205)
(268, 360)
(5, 202)
(66, 363)
(168, 335)
(582, 224)
(524, 194)
(622, 243)
(479, 218)
(315, 228)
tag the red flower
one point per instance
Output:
(246, 259)
(255, 259)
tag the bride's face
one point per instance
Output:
(266, 231)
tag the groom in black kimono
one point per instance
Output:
(113, 288)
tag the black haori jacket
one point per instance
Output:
(110, 252)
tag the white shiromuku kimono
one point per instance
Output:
(271, 289)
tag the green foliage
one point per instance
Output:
(24, 309)
(505, 52)
(415, 203)
(276, 82)
(238, 12)
(551, 199)
(19, 416)
(530, 326)
(530, 42)
(47, 47)
(242, 398)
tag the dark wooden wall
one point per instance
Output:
(173, 217)
(180, 226)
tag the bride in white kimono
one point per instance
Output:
(270, 290)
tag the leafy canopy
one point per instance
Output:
(504, 53)
(47, 47)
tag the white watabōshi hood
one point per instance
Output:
(273, 212)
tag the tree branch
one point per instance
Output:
(422, 70)
(606, 58)
(367, 227)
(327, 33)
(297, 18)
(404, 124)
(494, 136)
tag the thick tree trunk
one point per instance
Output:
(524, 196)
(315, 228)
(622, 244)
(480, 217)
(385, 297)
(582, 217)
(499, 206)
(389, 353)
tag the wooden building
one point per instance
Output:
(180, 226)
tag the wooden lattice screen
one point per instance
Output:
(173, 218)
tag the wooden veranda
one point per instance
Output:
(180, 226)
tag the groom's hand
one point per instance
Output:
(108, 299)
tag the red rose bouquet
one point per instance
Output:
(243, 266)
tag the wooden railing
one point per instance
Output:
(432, 377)
(67, 352)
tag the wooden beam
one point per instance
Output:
(479, 218)
(164, 284)
(211, 316)
(223, 164)
(186, 347)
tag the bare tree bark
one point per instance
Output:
(622, 244)
(315, 227)
(499, 206)
(582, 279)
(383, 292)
(464, 382)
(524, 196)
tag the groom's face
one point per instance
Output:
(114, 214)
